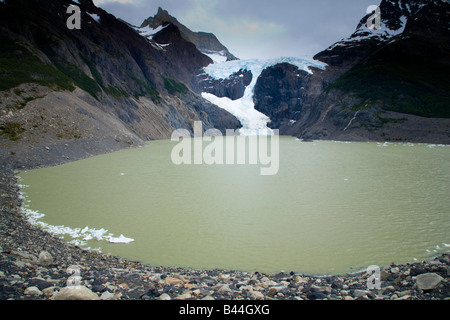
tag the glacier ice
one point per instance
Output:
(253, 122)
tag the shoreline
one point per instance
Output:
(34, 265)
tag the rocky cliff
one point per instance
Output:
(67, 94)
(384, 84)
(206, 43)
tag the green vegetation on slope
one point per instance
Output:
(97, 76)
(12, 130)
(18, 65)
(173, 86)
(402, 83)
(80, 79)
(148, 87)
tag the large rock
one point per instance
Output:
(273, 291)
(224, 289)
(172, 281)
(75, 293)
(233, 87)
(41, 284)
(316, 295)
(164, 297)
(109, 296)
(280, 92)
(45, 258)
(257, 295)
(32, 291)
(428, 281)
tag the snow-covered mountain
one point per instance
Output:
(382, 83)
(370, 85)
(298, 96)
(124, 84)
(394, 17)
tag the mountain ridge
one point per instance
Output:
(377, 85)
(207, 43)
(116, 88)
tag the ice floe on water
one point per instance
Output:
(79, 236)
(410, 144)
(438, 248)
(437, 145)
(120, 239)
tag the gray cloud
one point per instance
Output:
(257, 28)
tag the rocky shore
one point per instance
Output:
(35, 265)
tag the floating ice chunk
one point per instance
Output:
(79, 236)
(121, 239)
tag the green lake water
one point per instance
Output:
(333, 207)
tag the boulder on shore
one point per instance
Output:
(428, 281)
(75, 293)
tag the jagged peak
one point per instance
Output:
(161, 18)
(207, 43)
(161, 11)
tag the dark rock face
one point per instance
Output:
(352, 50)
(280, 92)
(112, 83)
(205, 42)
(233, 87)
(399, 69)
(181, 55)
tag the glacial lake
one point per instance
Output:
(332, 208)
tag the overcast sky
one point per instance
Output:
(256, 28)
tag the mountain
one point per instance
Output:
(67, 94)
(207, 43)
(385, 84)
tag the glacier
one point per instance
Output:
(253, 122)
(216, 56)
